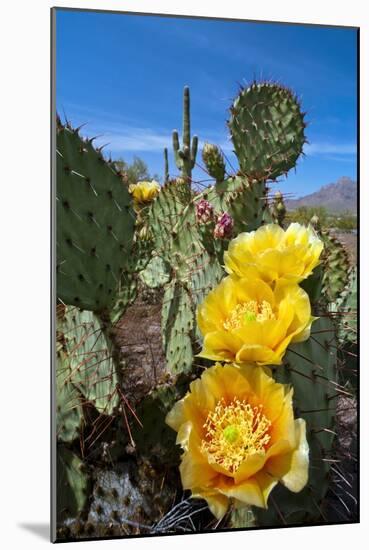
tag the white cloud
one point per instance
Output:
(121, 138)
(324, 148)
(136, 139)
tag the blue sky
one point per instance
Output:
(124, 75)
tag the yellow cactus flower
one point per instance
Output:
(239, 436)
(272, 253)
(144, 192)
(246, 320)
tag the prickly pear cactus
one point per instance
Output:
(244, 200)
(155, 440)
(346, 308)
(344, 312)
(267, 129)
(86, 372)
(69, 410)
(73, 485)
(177, 327)
(95, 223)
(126, 291)
(176, 247)
(165, 213)
(336, 267)
(311, 369)
(156, 273)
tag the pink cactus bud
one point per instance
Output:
(204, 211)
(224, 226)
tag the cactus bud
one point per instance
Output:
(281, 210)
(213, 159)
(315, 222)
(181, 181)
(204, 211)
(224, 226)
(278, 208)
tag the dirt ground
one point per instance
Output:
(138, 334)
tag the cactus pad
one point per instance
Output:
(95, 224)
(310, 367)
(73, 485)
(85, 360)
(336, 267)
(267, 130)
(177, 327)
(156, 273)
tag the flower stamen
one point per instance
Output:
(233, 432)
(248, 311)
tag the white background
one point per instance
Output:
(24, 305)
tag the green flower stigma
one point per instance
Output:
(231, 434)
(250, 316)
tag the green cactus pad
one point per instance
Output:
(267, 130)
(313, 284)
(344, 312)
(206, 273)
(155, 439)
(69, 412)
(177, 327)
(86, 362)
(165, 213)
(95, 224)
(310, 367)
(245, 201)
(156, 273)
(336, 267)
(73, 485)
(126, 292)
(346, 309)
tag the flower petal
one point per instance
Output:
(248, 492)
(218, 503)
(256, 353)
(249, 467)
(297, 476)
(176, 416)
(221, 345)
(217, 305)
(194, 468)
(266, 483)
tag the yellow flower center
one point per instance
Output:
(233, 432)
(248, 311)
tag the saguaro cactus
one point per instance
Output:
(185, 157)
(166, 165)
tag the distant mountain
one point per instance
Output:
(335, 197)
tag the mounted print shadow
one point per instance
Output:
(205, 372)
